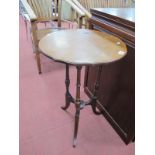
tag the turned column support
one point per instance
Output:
(68, 96)
(96, 87)
(77, 104)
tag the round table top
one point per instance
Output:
(82, 47)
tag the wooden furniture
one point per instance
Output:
(43, 11)
(86, 5)
(82, 48)
(70, 12)
(118, 104)
(89, 4)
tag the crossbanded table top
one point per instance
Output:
(82, 47)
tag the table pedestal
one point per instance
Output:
(80, 104)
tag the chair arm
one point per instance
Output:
(87, 13)
(26, 17)
(30, 12)
(75, 7)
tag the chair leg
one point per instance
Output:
(26, 29)
(38, 62)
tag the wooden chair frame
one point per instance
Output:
(86, 5)
(35, 17)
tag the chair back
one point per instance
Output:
(45, 10)
(88, 4)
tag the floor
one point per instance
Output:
(45, 129)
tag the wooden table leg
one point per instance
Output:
(96, 87)
(67, 95)
(77, 104)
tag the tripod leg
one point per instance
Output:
(77, 103)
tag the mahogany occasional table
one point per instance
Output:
(82, 47)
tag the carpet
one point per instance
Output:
(45, 129)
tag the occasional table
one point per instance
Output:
(82, 47)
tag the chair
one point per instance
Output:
(43, 11)
(71, 13)
(86, 5)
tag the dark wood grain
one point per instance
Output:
(82, 47)
(116, 95)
